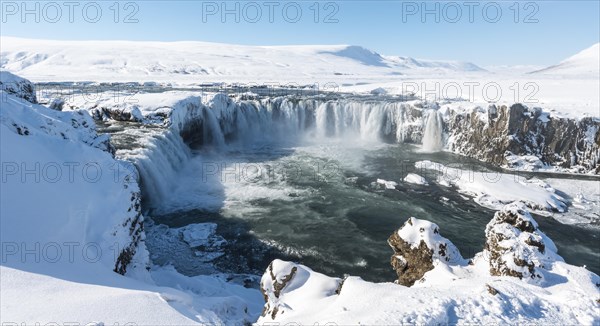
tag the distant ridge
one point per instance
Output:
(137, 60)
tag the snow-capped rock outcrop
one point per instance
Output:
(17, 86)
(418, 246)
(516, 247)
(451, 291)
(287, 286)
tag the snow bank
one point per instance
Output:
(70, 216)
(288, 287)
(494, 189)
(584, 197)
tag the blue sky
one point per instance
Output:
(545, 32)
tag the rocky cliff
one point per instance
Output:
(525, 138)
(515, 136)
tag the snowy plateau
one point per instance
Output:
(82, 174)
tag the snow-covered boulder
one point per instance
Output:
(17, 86)
(287, 286)
(418, 246)
(57, 104)
(381, 183)
(515, 246)
(415, 179)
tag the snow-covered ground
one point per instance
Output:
(570, 90)
(584, 63)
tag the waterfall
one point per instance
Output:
(163, 155)
(227, 124)
(433, 133)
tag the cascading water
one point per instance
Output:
(267, 212)
(224, 124)
(159, 166)
(291, 120)
(158, 154)
(433, 134)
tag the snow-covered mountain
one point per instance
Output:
(45, 60)
(584, 63)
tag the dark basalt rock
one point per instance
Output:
(519, 130)
(409, 263)
(412, 260)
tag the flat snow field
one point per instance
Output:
(568, 88)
